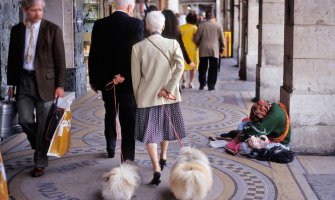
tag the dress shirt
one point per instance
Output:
(26, 65)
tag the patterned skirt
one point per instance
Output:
(153, 124)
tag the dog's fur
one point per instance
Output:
(191, 175)
(121, 182)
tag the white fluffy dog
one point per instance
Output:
(121, 182)
(191, 175)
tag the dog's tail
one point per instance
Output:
(190, 180)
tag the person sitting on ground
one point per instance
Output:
(270, 119)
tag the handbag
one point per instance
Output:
(53, 119)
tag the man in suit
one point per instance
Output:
(210, 41)
(110, 60)
(36, 65)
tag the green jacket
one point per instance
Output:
(273, 125)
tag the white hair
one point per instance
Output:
(30, 3)
(124, 3)
(155, 21)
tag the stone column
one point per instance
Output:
(309, 83)
(269, 73)
(63, 13)
(219, 12)
(79, 73)
(243, 34)
(252, 41)
(173, 5)
(9, 16)
(236, 29)
(162, 4)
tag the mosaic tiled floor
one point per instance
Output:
(78, 175)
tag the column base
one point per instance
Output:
(76, 80)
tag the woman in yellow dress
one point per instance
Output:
(187, 31)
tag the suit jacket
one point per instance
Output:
(209, 39)
(151, 70)
(110, 52)
(49, 61)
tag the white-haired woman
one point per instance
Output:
(157, 65)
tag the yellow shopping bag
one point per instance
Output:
(3, 182)
(61, 140)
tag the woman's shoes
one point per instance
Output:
(162, 163)
(183, 86)
(156, 180)
(190, 85)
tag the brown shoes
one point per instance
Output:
(37, 171)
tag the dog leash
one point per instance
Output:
(111, 86)
(170, 122)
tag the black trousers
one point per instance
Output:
(126, 106)
(212, 71)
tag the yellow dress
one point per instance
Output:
(187, 32)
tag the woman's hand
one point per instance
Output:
(163, 93)
(166, 94)
(192, 65)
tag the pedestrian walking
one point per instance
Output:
(110, 61)
(36, 65)
(209, 38)
(157, 65)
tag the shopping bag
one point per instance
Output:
(3, 181)
(61, 139)
(53, 119)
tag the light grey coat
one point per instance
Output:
(209, 39)
(151, 70)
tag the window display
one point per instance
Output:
(91, 13)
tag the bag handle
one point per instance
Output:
(54, 107)
(55, 101)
